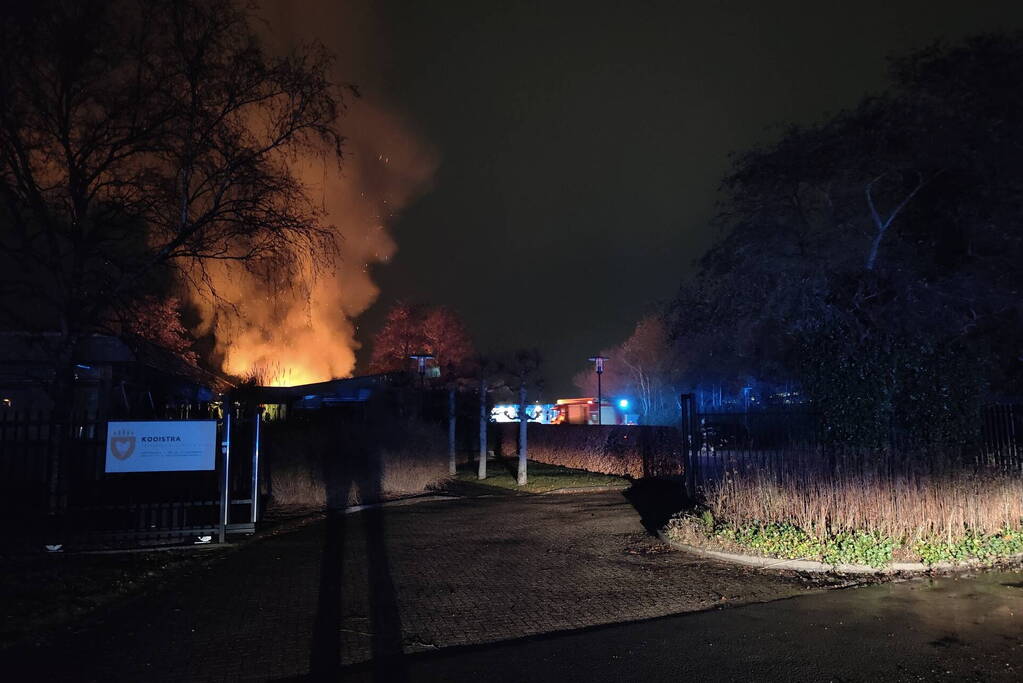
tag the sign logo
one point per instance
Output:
(161, 446)
(122, 444)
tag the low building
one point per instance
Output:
(110, 378)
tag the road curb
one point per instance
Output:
(584, 489)
(314, 515)
(399, 502)
(824, 568)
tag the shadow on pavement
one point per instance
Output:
(356, 464)
(656, 500)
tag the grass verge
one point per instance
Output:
(872, 548)
(543, 478)
(855, 506)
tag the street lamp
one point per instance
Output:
(421, 358)
(598, 365)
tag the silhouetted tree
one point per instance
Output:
(157, 321)
(521, 371)
(138, 142)
(488, 371)
(413, 329)
(876, 257)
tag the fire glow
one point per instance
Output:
(303, 332)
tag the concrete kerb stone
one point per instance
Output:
(320, 513)
(399, 502)
(584, 489)
(822, 567)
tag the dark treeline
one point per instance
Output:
(875, 258)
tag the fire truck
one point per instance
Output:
(583, 411)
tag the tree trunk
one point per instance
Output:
(523, 422)
(451, 431)
(482, 472)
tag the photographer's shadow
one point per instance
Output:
(356, 465)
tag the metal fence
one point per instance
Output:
(1000, 445)
(778, 440)
(54, 487)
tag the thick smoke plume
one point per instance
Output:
(303, 331)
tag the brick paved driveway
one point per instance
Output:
(400, 579)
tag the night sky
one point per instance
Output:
(581, 144)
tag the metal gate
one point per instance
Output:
(54, 489)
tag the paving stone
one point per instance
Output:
(393, 580)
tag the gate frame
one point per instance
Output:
(689, 426)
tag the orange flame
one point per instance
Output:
(305, 333)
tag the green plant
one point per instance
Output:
(984, 547)
(859, 547)
(779, 539)
(872, 548)
(707, 517)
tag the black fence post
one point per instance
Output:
(225, 480)
(257, 419)
(690, 443)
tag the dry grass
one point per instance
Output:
(321, 465)
(298, 486)
(902, 502)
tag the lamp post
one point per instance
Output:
(598, 365)
(421, 359)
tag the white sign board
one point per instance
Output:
(163, 446)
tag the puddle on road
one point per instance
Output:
(994, 599)
(949, 628)
(981, 610)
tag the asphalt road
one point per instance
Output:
(965, 629)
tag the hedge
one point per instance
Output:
(631, 451)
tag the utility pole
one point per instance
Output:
(481, 472)
(598, 365)
(523, 424)
(421, 359)
(451, 430)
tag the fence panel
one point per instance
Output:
(775, 442)
(999, 447)
(54, 487)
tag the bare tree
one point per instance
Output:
(139, 141)
(523, 372)
(645, 368)
(410, 329)
(489, 376)
(882, 223)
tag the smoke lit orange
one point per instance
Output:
(304, 333)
